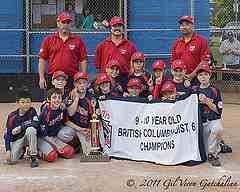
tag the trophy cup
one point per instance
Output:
(95, 154)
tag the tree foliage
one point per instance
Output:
(225, 14)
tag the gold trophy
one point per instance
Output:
(95, 154)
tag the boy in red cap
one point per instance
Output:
(52, 120)
(134, 88)
(80, 111)
(154, 83)
(158, 68)
(138, 71)
(211, 111)
(59, 81)
(168, 91)
(103, 87)
(113, 70)
(179, 71)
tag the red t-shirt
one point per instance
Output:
(64, 56)
(191, 52)
(107, 50)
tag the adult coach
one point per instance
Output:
(190, 47)
(64, 51)
(115, 47)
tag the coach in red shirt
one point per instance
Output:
(115, 47)
(190, 47)
(64, 51)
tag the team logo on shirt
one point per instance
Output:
(192, 47)
(26, 123)
(35, 118)
(123, 51)
(180, 93)
(72, 47)
(220, 104)
(187, 83)
(82, 111)
(57, 119)
(69, 101)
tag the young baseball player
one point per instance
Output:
(134, 88)
(168, 91)
(158, 68)
(154, 83)
(21, 130)
(179, 72)
(113, 71)
(59, 81)
(103, 87)
(52, 119)
(225, 148)
(138, 71)
(211, 111)
(80, 113)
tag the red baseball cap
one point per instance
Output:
(134, 82)
(137, 55)
(112, 63)
(204, 67)
(80, 75)
(186, 18)
(178, 64)
(59, 73)
(64, 16)
(116, 20)
(159, 64)
(102, 78)
(168, 86)
(207, 57)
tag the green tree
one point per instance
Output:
(225, 14)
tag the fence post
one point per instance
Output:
(125, 12)
(192, 11)
(27, 23)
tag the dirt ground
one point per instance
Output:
(125, 176)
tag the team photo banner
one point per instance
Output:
(164, 133)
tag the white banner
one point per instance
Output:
(165, 133)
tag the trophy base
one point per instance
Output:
(94, 156)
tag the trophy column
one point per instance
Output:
(95, 154)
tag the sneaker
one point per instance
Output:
(214, 160)
(34, 161)
(225, 148)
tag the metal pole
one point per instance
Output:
(235, 7)
(120, 8)
(125, 11)
(192, 12)
(27, 20)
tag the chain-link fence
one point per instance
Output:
(225, 47)
(152, 30)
